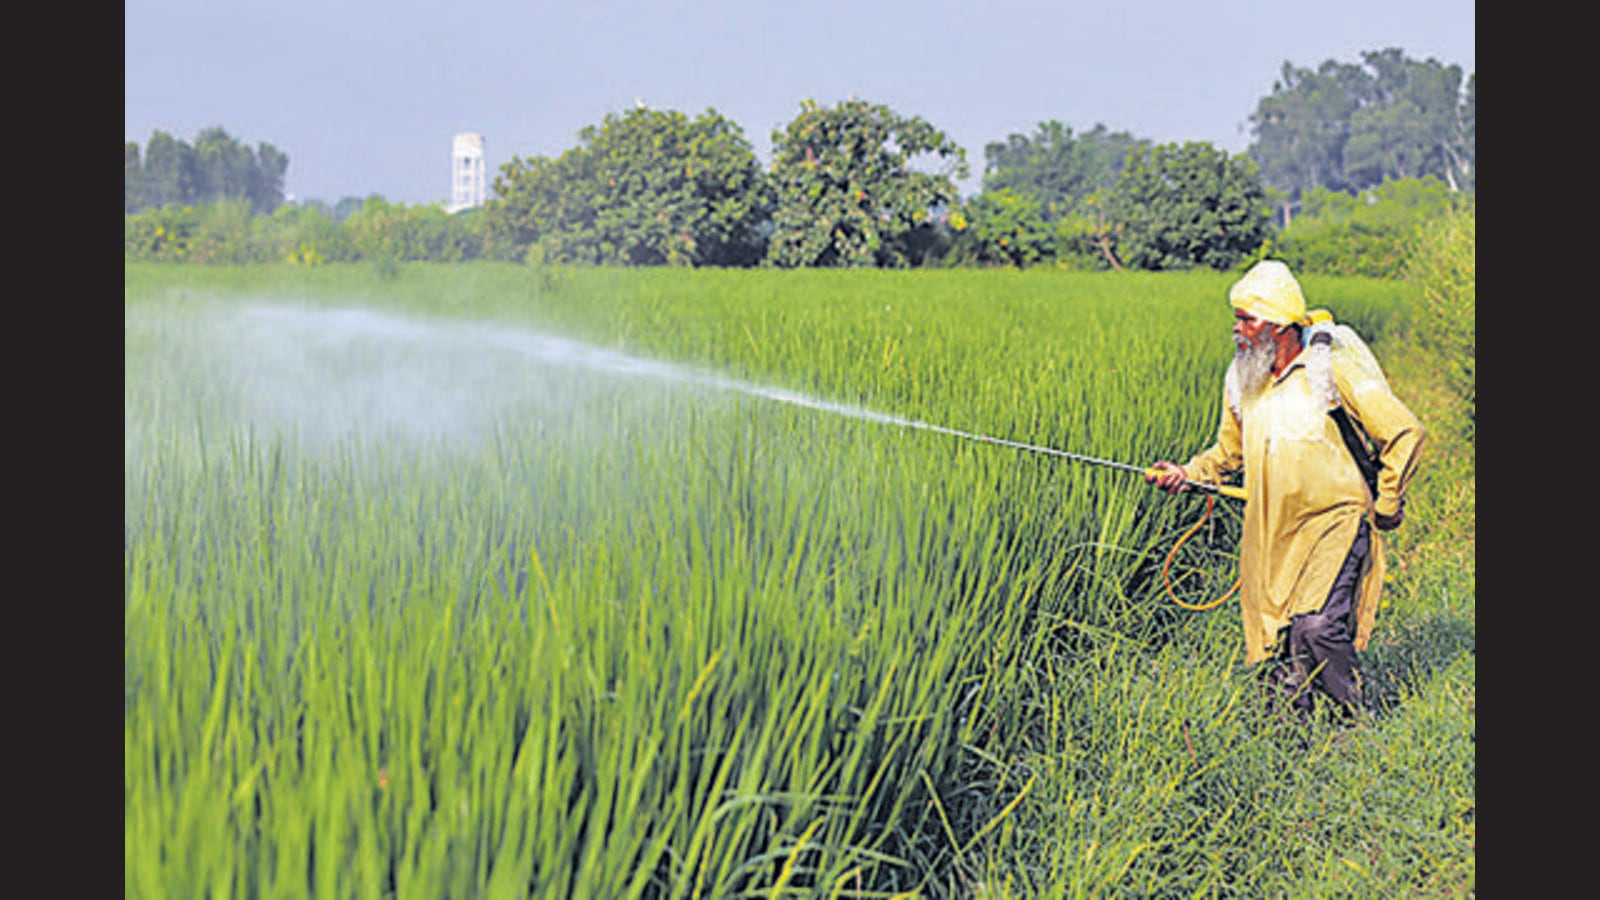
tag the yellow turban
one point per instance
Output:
(1269, 291)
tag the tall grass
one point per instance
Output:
(1443, 265)
(610, 637)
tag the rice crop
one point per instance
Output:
(499, 581)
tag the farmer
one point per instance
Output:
(1310, 567)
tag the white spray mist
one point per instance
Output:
(328, 373)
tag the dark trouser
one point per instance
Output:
(1318, 653)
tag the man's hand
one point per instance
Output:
(1389, 523)
(1168, 476)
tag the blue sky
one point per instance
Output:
(365, 95)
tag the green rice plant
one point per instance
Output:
(420, 601)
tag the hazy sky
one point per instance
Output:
(365, 95)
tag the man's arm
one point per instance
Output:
(1211, 465)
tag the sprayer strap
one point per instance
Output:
(1365, 459)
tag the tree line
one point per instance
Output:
(858, 184)
(215, 167)
(1346, 127)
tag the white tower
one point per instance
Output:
(468, 176)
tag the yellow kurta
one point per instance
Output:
(1305, 493)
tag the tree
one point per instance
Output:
(646, 187)
(848, 188)
(132, 178)
(1087, 238)
(1350, 127)
(1006, 227)
(266, 179)
(1302, 127)
(1412, 125)
(223, 166)
(217, 167)
(169, 172)
(1179, 207)
(349, 205)
(1056, 169)
(1468, 129)
(539, 204)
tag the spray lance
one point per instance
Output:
(885, 419)
(1212, 490)
(1224, 490)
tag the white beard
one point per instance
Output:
(1251, 369)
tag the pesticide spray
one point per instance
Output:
(325, 374)
(416, 377)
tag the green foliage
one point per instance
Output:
(1086, 239)
(225, 234)
(387, 234)
(1444, 266)
(1302, 125)
(216, 167)
(423, 232)
(848, 188)
(1055, 168)
(1045, 198)
(133, 188)
(1368, 234)
(303, 234)
(1182, 206)
(160, 235)
(381, 230)
(629, 638)
(1395, 201)
(349, 206)
(227, 231)
(1416, 124)
(1337, 150)
(643, 188)
(1006, 228)
(168, 177)
(1350, 127)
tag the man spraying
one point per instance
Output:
(1302, 398)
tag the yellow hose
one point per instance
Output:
(1172, 554)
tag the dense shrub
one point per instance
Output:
(1364, 234)
(1006, 228)
(1444, 266)
(160, 235)
(304, 234)
(227, 232)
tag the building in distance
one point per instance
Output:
(468, 173)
